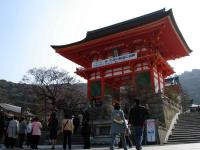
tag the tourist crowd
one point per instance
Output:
(15, 132)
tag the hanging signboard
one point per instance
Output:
(113, 60)
(151, 130)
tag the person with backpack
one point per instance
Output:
(137, 117)
(67, 129)
(118, 126)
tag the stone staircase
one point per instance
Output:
(187, 129)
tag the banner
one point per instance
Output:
(113, 60)
(151, 130)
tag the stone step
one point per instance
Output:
(185, 132)
(186, 135)
(180, 142)
(101, 140)
(184, 139)
(179, 136)
(187, 129)
(191, 117)
(190, 114)
(187, 122)
(187, 126)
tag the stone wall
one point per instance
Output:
(163, 110)
(162, 131)
(169, 112)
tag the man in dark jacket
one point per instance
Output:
(137, 116)
(86, 131)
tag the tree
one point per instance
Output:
(53, 86)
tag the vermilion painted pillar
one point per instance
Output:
(152, 78)
(133, 82)
(159, 82)
(102, 87)
(88, 89)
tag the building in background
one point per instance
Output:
(134, 52)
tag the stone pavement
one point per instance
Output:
(192, 146)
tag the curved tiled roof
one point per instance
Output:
(126, 25)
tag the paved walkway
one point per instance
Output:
(193, 146)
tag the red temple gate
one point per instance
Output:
(132, 52)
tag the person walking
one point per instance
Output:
(53, 128)
(127, 136)
(137, 117)
(118, 126)
(67, 129)
(22, 132)
(36, 132)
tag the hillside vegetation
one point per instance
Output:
(190, 82)
(22, 94)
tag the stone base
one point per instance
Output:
(101, 140)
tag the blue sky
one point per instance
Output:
(26, 33)
(29, 27)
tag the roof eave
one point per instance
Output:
(170, 13)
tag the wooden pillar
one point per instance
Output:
(152, 77)
(159, 80)
(88, 89)
(102, 85)
(163, 82)
(133, 82)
